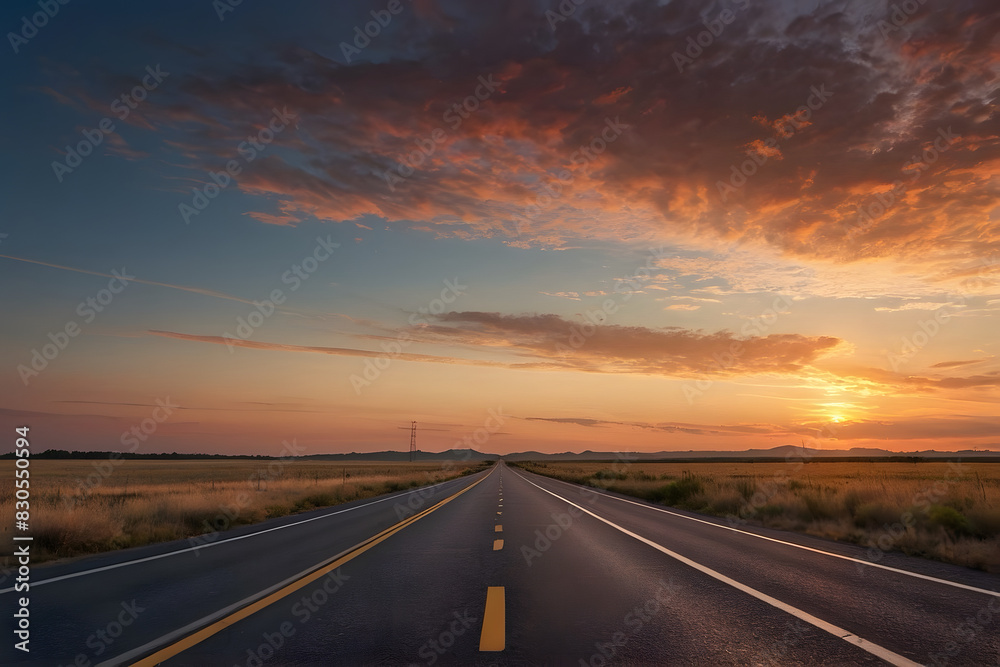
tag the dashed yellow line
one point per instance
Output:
(494, 634)
(498, 528)
(497, 545)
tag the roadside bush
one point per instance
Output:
(746, 488)
(677, 492)
(985, 522)
(874, 515)
(949, 518)
(726, 504)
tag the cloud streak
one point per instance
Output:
(184, 288)
(687, 129)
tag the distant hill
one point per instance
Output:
(774, 453)
(447, 455)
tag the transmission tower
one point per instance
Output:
(413, 440)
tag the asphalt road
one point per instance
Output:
(506, 568)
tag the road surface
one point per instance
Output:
(506, 568)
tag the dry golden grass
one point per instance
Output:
(142, 502)
(935, 509)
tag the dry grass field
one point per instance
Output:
(89, 506)
(948, 511)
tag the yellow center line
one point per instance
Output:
(497, 545)
(494, 635)
(498, 529)
(223, 623)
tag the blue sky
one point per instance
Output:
(888, 330)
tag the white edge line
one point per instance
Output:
(840, 633)
(193, 626)
(221, 613)
(225, 541)
(790, 544)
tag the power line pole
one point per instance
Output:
(413, 440)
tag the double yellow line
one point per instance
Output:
(321, 570)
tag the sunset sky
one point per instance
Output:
(616, 225)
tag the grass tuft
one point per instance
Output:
(143, 502)
(921, 508)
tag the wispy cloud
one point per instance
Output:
(686, 132)
(183, 288)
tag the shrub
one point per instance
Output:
(817, 507)
(770, 511)
(986, 522)
(726, 504)
(677, 492)
(874, 515)
(852, 501)
(746, 488)
(950, 519)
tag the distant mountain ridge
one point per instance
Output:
(777, 453)
(774, 453)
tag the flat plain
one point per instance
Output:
(943, 510)
(90, 506)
